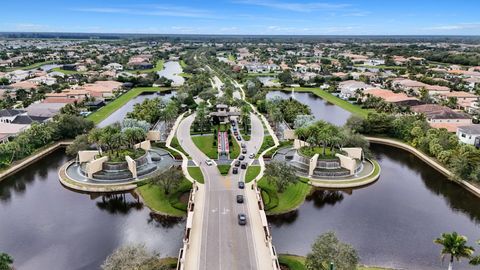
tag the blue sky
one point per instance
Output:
(334, 17)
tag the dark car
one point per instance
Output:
(239, 138)
(235, 133)
(242, 219)
(233, 123)
(237, 163)
(244, 145)
(235, 170)
(239, 198)
(241, 185)
(244, 150)
(244, 165)
(241, 157)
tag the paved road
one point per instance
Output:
(224, 244)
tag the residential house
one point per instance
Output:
(114, 66)
(464, 99)
(442, 117)
(8, 130)
(349, 88)
(389, 96)
(469, 134)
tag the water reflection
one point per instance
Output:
(321, 197)
(43, 225)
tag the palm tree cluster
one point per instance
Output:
(153, 110)
(323, 134)
(454, 246)
(113, 138)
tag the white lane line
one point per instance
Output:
(219, 235)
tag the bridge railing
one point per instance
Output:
(188, 228)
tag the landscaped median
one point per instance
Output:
(196, 173)
(172, 204)
(276, 203)
(116, 104)
(252, 172)
(205, 144)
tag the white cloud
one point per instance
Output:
(459, 26)
(293, 6)
(153, 10)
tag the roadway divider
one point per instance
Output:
(188, 228)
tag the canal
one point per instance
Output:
(43, 225)
(391, 223)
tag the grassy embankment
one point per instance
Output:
(158, 67)
(289, 200)
(355, 109)
(223, 169)
(32, 66)
(252, 172)
(197, 174)
(67, 72)
(116, 104)
(294, 262)
(170, 204)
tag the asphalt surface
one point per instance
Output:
(225, 243)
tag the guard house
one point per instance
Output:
(222, 114)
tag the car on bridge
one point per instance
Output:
(242, 219)
(241, 185)
(239, 198)
(235, 170)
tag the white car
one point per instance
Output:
(209, 162)
(252, 155)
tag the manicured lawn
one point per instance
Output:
(183, 64)
(293, 262)
(290, 199)
(252, 172)
(175, 144)
(224, 169)
(111, 107)
(234, 149)
(66, 72)
(267, 143)
(32, 66)
(355, 109)
(196, 173)
(170, 204)
(311, 151)
(205, 144)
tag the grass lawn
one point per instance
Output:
(234, 149)
(231, 57)
(32, 66)
(252, 172)
(280, 203)
(175, 144)
(382, 67)
(196, 173)
(66, 72)
(205, 144)
(170, 204)
(224, 169)
(311, 151)
(355, 109)
(293, 262)
(185, 75)
(267, 143)
(183, 64)
(116, 104)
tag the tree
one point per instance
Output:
(6, 261)
(328, 249)
(134, 135)
(280, 174)
(455, 246)
(79, 144)
(132, 257)
(168, 180)
(475, 260)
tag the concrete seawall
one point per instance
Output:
(427, 159)
(21, 164)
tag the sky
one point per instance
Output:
(244, 17)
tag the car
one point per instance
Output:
(237, 163)
(209, 162)
(235, 133)
(244, 145)
(244, 165)
(252, 155)
(244, 151)
(242, 219)
(241, 185)
(241, 157)
(235, 170)
(239, 198)
(239, 138)
(233, 123)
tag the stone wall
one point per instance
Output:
(95, 166)
(347, 163)
(88, 155)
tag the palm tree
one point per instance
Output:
(5, 261)
(454, 245)
(475, 260)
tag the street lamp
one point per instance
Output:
(332, 266)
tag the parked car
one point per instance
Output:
(242, 219)
(237, 163)
(209, 162)
(241, 185)
(244, 165)
(244, 150)
(241, 157)
(239, 198)
(235, 170)
(252, 155)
